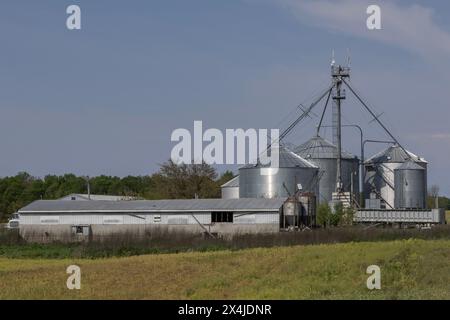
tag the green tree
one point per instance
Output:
(337, 214)
(225, 177)
(184, 181)
(323, 214)
(347, 217)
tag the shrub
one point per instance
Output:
(323, 214)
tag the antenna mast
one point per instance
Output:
(337, 74)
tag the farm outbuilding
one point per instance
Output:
(230, 190)
(66, 220)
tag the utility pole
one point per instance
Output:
(338, 73)
(88, 184)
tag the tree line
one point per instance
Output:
(172, 181)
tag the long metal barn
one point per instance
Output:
(49, 220)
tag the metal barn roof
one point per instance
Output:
(287, 159)
(394, 153)
(319, 148)
(188, 205)
(232, 183)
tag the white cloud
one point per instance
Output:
(411, 28)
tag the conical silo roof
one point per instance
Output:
(394, 153)
(287, 159)
(410, 165)
(319, 148)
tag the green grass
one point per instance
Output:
(410, 269)
(447, 216)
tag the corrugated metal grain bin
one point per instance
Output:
(379, 172)
(410, 184)
(230, 190)
(263, 181)
(324, 154)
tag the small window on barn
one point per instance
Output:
(222, 217)
(81, 230)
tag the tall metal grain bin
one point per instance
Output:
(410, 192)
(293, 171)
(379, 173)
(324, 154)
(230, 190)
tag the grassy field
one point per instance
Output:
(447, 216)
(410, 269)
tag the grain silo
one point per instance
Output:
(410, 192)
(230, 190)
(379, 173)
(292, 174)
(324, 154)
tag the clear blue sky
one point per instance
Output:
(105, 99)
